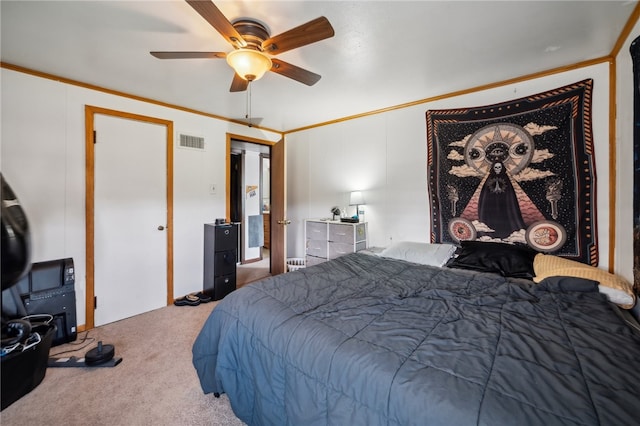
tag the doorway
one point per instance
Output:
(250, 188)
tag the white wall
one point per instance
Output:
(42, 157)
(625, 154)
(385, 156)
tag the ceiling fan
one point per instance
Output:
(254, 46)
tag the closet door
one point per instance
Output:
(130, 218)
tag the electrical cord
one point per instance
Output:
(83, 343)
(46, 318)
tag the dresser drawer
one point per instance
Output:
(316, 231)
(339, 249)
(341, 233)
(317, 248)
(225, 262)
(226, 238)
(224, 285)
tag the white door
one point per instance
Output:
(130, 218)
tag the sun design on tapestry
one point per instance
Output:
(516, 172)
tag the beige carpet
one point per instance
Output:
(250, 272)
(155, 384)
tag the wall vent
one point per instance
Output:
(191, 142)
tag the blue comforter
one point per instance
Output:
(363, 340)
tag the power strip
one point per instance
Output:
(79, 362)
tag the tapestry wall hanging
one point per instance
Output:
(521, 171)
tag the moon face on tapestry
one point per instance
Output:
(520, 172)
(500, 155)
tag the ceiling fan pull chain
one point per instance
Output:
(248, 114)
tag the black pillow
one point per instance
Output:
(508, 260)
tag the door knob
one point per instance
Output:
(160, 228)
(284, 222)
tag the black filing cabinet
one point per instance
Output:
(220, 257)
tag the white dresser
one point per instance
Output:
(328, 239)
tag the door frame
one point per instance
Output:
(275, 268)
(89, 113)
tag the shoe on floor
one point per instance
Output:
(189, 300)
(204, 298)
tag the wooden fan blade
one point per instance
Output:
(238, 84)
(188, 55)
(299, 74)
(308, 33)
(213, 16)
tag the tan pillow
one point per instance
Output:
(617, 289)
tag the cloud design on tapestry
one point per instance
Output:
(535, 129)
(529, 174)
(539, 155)
(455, 156)
(517, 237)
(465, 171)
(481, 227)
(462, 143)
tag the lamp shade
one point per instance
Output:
(356, 198)
(248, 63)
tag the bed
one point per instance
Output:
(372, 340)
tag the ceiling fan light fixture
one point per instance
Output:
(249, 64)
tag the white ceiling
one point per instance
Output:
(384, 53)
